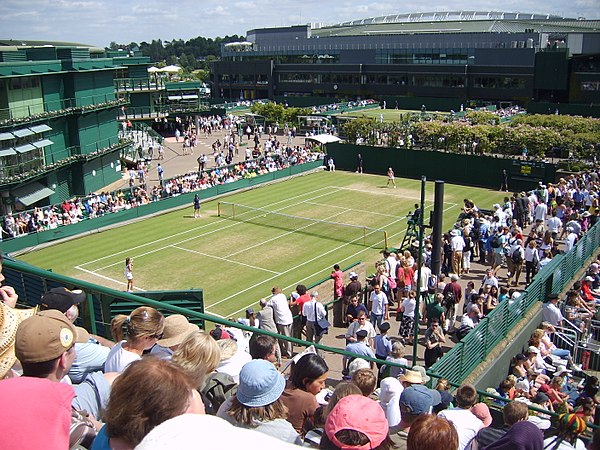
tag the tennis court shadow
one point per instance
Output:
(190, 217)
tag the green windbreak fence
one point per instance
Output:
(472, 350)
(92, 225)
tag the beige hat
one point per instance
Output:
(412, 376)
(177, 328)
(10, 318)
(45, 336)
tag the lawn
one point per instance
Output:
(238, 262)
(389, 115)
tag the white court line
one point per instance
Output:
(198, 228)
(190, 238)
(281, 235)
(391, 194)
(107, 278)
(362, 211)
(225, 259)
(325, 268)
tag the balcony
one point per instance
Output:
(48, 110)
(36, 167)
(138, 85)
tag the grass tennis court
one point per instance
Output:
(236, 260)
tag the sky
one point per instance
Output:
(99, 22)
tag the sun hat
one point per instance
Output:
(422, 370)
(412, 376)
(417, 399)
(533, 349)
(522, 385)
(10, 318)
(482, 412)
(61, 298)
(542, 424)
(353, 275)
(45, 336)
(295, 295)
(357, 364)
(250, 311)
(588, 278)
(177, 328)
(455, 233)
(260, 384)
(540, 398)
(560, 369)
(572, 422)
(358, 413)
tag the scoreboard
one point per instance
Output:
(528, 169)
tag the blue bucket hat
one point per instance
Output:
(260, 384)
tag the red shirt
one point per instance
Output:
(302, 300)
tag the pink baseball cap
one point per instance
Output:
(482, 412)
(358, 413)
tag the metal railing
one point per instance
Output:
(56, 108)
(139, 84)
(474, 348)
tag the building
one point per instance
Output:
(61, 108)
(438, 59)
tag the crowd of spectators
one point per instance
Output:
(333, 107)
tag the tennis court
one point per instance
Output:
(281, 234)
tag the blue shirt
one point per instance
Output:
(359, 349)
(383, 345)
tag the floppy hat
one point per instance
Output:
(45, 336)
(423, 373)
(353, 275)
(358, 413)
(61, 298)
(177, 328)
(10, 318)
(533, 349)
(482, 412)
(542, 424)
(412, 376)
(572, 423)
(560, 369)
(417, 399)
(260, 384)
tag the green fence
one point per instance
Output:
(471, 351)
(471, 170)
(93, 225)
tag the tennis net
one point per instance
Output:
(343, 232)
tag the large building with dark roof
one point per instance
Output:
(458, 56)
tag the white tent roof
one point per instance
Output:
(153, 69)
(171, 69)
(324, 138)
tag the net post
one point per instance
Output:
(219, 209)
(385, 239)
(233, 210)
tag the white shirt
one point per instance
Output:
(457, 243)
(425, 274)
(281, 309)
(409, 307)
(378, 302)
(466, 423)
(308, 310)
(540, 212)
(551, 313)
(570, 241)
(119, 358)
(355, 326)
(391, 263)
(554, 224)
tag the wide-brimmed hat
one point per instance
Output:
(412, 376)
(353, 275)
(177, 328)
(260, 384)
(423, 373)
(10, 318)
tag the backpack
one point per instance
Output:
(217, 388)
(516, 256)
(449, 299)
(495, 242)
(432, 284)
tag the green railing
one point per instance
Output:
(56, 108)
(474, 348)
(139, 84)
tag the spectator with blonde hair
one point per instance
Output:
(135, 333)
(198, 355)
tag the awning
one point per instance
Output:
(324, 138)
(174, 97)
(37, 129)
(43, 143)
(24, 132)
(6, 136)
(7, 152)
(24, 148)
(189, 97)
(32, 193)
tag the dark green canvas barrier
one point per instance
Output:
(93, 225)
(471, 170)
(591, 110)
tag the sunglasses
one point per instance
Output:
(158, 336)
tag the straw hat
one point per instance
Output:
(177, 328)
(10, 318)
(412, 376)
